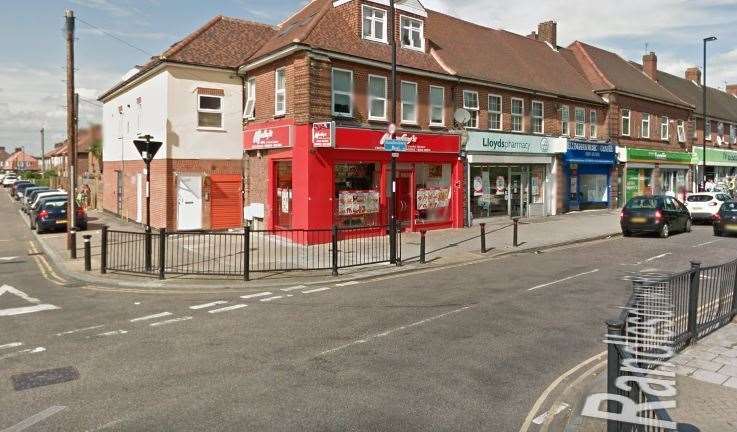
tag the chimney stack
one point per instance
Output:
(732, 89)
(693, 74)
(650, 65)
(548, 32)
(18, 149)
(2, 149)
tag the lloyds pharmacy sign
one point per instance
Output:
(513, 143)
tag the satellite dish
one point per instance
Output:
(462, 116)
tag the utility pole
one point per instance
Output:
(43, 152)
(71, 124)
(702, 187)
(393, 170)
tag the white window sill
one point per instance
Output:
(437, 125)
(209, 129)
(378, 119)
(370, 39)
(343, 115)
(412, 48)
(409, 123)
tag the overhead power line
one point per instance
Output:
(116, 37)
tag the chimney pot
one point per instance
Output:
(693, 74)
(650, 65)
(732, 89)
(548, 32)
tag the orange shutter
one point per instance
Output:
(226, 206)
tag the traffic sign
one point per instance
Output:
(395, 145)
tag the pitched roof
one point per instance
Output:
(3, 155)
(223, 42)
(85, 139)
(607, 71)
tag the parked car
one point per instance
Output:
(704, 205)
(19, 187)
(24, 201)
(660, 214)
(44, 194)
(9, 180)
(39, 203)
(725, 220)
(52, 216)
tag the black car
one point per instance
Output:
(660, 214)
(52, 216)
(725, 220)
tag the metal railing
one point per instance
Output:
(699, 301)
(242, 252)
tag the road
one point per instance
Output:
(464, 348)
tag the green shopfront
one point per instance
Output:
(721, 165)
(511, 174)
(656, 172)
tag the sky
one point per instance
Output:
(32, 75)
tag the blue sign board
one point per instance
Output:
(395, 145)
(585, 152)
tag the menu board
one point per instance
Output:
(358, 202)
(432, 198)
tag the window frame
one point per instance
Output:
(474, 111)
(681, 131)
(521, 116)
(442, 106)
(333, 92)
(642, 126)
(498, 112)
(628, 117)
(593, 123)
(707, 126)
(373, 20)
(565, 121)
(581, 123)
(278, 92)
(664, 122)
(209, 111)
(370, 98)
(402, 103)
(733, 133)
(402, 18)
(250, 98)
(541, 117)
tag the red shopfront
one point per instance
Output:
(323, 176)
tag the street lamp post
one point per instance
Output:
(393, 168)
(148, 150)
(703, 113)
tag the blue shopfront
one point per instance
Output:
(589, 166)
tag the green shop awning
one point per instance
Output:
(658, 156)
(714, 157)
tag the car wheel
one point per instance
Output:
(626, 233)
(688, 226)
(717, 232)
(664, 231)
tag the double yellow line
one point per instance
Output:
(43, 265)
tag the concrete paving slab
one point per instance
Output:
(710, 377)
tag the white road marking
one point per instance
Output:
(706, 243)
(315, 290)
(170, 321)
(80, 330)
(268, 299)
(113, 333)
(262, 294)
(542, 417)
(8, 258)
(658, 257)
(349, 283)
(208, 305)
(26, 309)
(36, 418)
(294, 288)
(394, 330)
(228, 308)
(9, 289)
(25, 351)
(11, 345)
(562, 280)
(150, 317)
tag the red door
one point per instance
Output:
(226, 207)
(404, 198)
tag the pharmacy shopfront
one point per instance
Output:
(655, 172)
(721, 165)
(511, 174)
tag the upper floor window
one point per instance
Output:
(720, 129)
(409, 102)
(707, 130)
(733, 133)
(437, 106)
(280, 92)
(625, 122)
(495, 112)
(645, 126)
(565, 119)
(593, 124)
(374, 24)
(209, 111)
(580, 122)
(471, 104)
(664, 129)
(518, 114)
(250, 89)
(537, 117)
(681, 131)
(377, 97)
(412, 33)
(342, 92)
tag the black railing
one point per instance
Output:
(242, 252)
(697, 301)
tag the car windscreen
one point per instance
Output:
(729, 207)
(643, 204)
(54, 205)
(699, 198)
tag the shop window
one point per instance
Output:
(495, 112)
(681, 131)
(377, 97)
(645, 127)
(342, 93)
(437, 106)
(412, 34)
(538, 113)
(280, 92)
(518, 113)
(471, 104)
(593, 188)
(409, 102)
(357, 195)
(664, 129)
(625, 122)
(374, 24)
(432, 192)
(565, 119)
(250, 111)
(580, 122)
(283, 198)
(209, 112)
(593, 124)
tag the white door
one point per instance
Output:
(139, 198)
(189, 202)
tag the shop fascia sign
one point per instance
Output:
(375, 139)
(591, 151)
(635, 154)
(268, 136)
(513, 143)
(715, 156)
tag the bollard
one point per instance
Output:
(335, 250)
(483, 238)
(73, 243)
(422, 246)
(162, 253)
(103, 250)
(515, 243)
(398, 240)
(87, 252)
(693, 302)
(246, 253)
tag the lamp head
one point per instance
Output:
(710, 39)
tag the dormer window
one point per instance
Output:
(412, 34)
(374, 24)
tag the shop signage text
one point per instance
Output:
(714, 156)
(260, 137)
(323, 134)
(635, 154)
(510, 143)
(591, 153)
(371, 139)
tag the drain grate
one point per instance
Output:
(43, 378)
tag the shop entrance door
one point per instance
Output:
(516, 193)
(404, 197)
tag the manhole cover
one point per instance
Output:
(43, 378)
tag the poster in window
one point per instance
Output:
(435, 171)
(432, 198)
(358, 202)
(285, 196)
(478, 186)
(501, 185)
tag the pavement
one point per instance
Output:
(486, 344)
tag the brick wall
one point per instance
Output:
(639, 106)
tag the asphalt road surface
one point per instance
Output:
(464, 348)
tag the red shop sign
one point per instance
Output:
(268, 136)
(371, 139)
